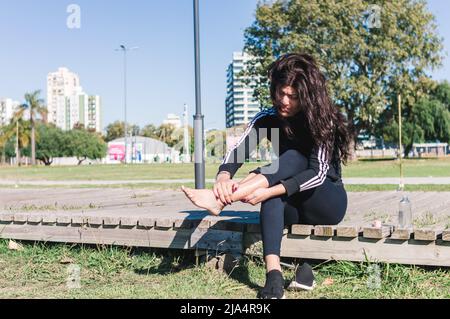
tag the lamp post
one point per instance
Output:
(199, 144)
(125, 50)
(400, 148)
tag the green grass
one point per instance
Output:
(362, 168)
(390, 168)
(408, 188)
(40, 271)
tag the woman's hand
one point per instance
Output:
(224, 187)
(258, 196)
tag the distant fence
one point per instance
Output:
(377, 153)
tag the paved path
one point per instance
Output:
(348, 181)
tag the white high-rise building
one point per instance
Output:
(92, 118)
(240, 106)
(7, 109)
(61, 85)
(68, 104)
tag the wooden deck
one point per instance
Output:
(154, 219)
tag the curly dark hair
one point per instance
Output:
(326, 123)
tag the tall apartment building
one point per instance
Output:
(93, 116)
(7, 109)
(240, 106)
(61, 85)
(68, 104)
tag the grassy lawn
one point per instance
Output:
(40, 271)
(389, 168)
(362, 168)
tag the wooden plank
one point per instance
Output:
(402, 233)
(111, 221)
(128, 221)
(221, 224)
(446, 235)
(94, 220)
(49, 219)
(43, 233)
(324, 230)
(348, 231)
(63, 220)
(35, 218)
(377, 232)
(216, 240)
(6, 217)
(303, 230)
(384, 250)
(146, 222)
(202, 223)
(164, 223)
(20, 217)
(182, 223)
(426, 234)
(78, 219)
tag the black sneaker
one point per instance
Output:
(304, 279)
(274, 287)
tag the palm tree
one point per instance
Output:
(35, 105)
(19, 127)
(5, 134)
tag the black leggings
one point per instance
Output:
(323, 205)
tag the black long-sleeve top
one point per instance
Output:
(268, 124)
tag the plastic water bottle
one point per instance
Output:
(405, 218)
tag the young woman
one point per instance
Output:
(303, 186)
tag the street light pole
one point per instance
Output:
(125, 49)
(17, 143)
(199, 144)
(400, 148)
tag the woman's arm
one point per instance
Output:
(249, 176)
(248, 142)
(277, 190)
(313, 176)
(263, 194)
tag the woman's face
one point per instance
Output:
(288, 105)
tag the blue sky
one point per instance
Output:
(35, 40)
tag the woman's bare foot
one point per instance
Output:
(204, 198)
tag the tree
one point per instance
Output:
(20, 129)
(366, 65)
(149, 131)
(165, 133)
(215, 143)
(5, 135)
(176, 139)
(79, 126)
(35, 106)
(51, 143)
(84, 145)
(116, 130)
(442, 93)
(427, 120)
